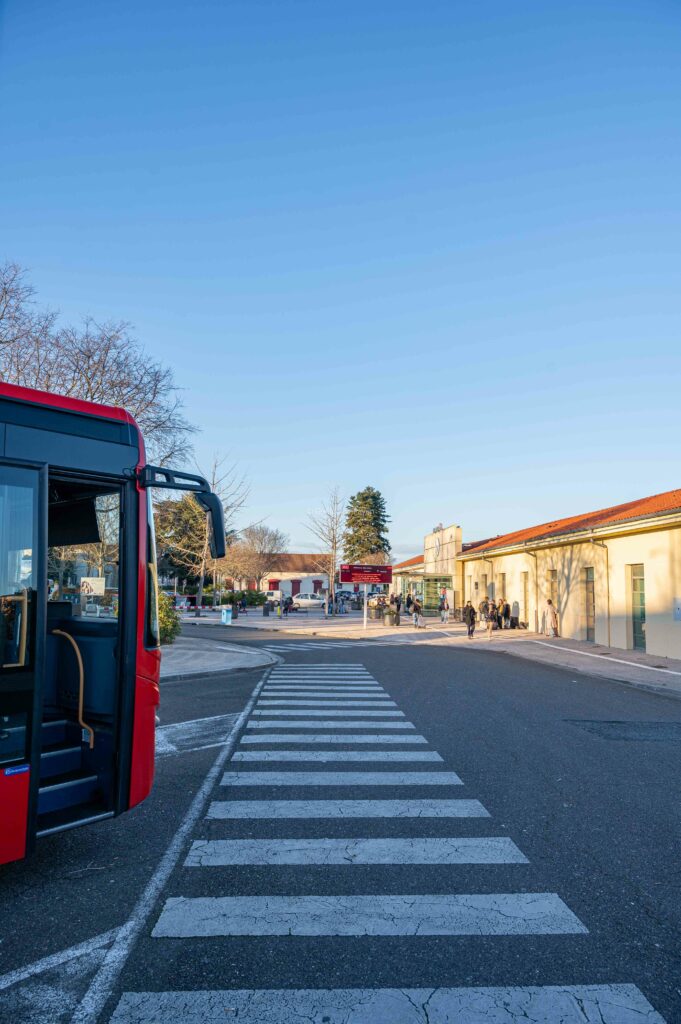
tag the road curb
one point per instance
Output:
(266, 660)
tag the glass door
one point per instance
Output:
(21, 569)
(590, 596)
(638, 607)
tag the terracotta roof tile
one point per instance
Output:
(299, 563)
(641, 508)
(416, 560)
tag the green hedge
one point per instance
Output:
(168, 619)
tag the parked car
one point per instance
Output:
(307, 601)
(274, 596)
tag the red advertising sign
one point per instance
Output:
(366, 573)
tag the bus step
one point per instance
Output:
(61, 821)
(62, 760)
(67, 791)
(59, 730)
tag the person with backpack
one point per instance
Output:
(417, 610)
(408, 603)
(443, 608)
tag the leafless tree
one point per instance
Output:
(183, 527)
(327, 526)
(255, 552)
(98, 362)
(20, 319)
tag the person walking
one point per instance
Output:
(469, 617)
(443, 608)
(491, 619)
(551, 619)
(417, 611)
(507, 614)
(398, 603)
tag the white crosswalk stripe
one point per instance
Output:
(222, 852)
(327, 738)
(551, 1004)
(520, 913)
(289, 778)
(331, 703)
(252, 809)
(326, 723)
(311, 713)
(343, 706)
(336, 756)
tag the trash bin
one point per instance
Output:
(227, 615)
(389, 617)
(266, 609)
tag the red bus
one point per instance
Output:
(79, 640)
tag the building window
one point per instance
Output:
(502, 585)
(273, 584)
(469, 588)
(638, 607)
(590, 599)
(483, 583)
(526, 598)
(317, 584)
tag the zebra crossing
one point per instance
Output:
(303, 777)
(321, 644)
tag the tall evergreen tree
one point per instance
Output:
(366, 528)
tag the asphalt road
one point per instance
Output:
(569, 789)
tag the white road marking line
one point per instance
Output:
(241, 778)
(331, 738)
(48, 963)
(346, 666)
(515, 913)
(197, 734)
(330, 723)
(207, 853)
(311, 713)
(329, 695)
(349, 688)
(607, 657)
(302, 702)
(298, 680)
(550, 1004)
(322, 688)
(227, 809)
(335, 756)
(92, 1003)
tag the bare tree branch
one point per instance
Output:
(327, 526)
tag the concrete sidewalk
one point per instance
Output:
(188, 657)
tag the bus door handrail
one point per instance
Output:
(81, 684)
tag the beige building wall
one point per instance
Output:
(440, 551)
(612, 558)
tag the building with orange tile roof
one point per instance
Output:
(613, 575)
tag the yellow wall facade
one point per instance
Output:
(659, 551)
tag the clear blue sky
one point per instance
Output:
(433, 247)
